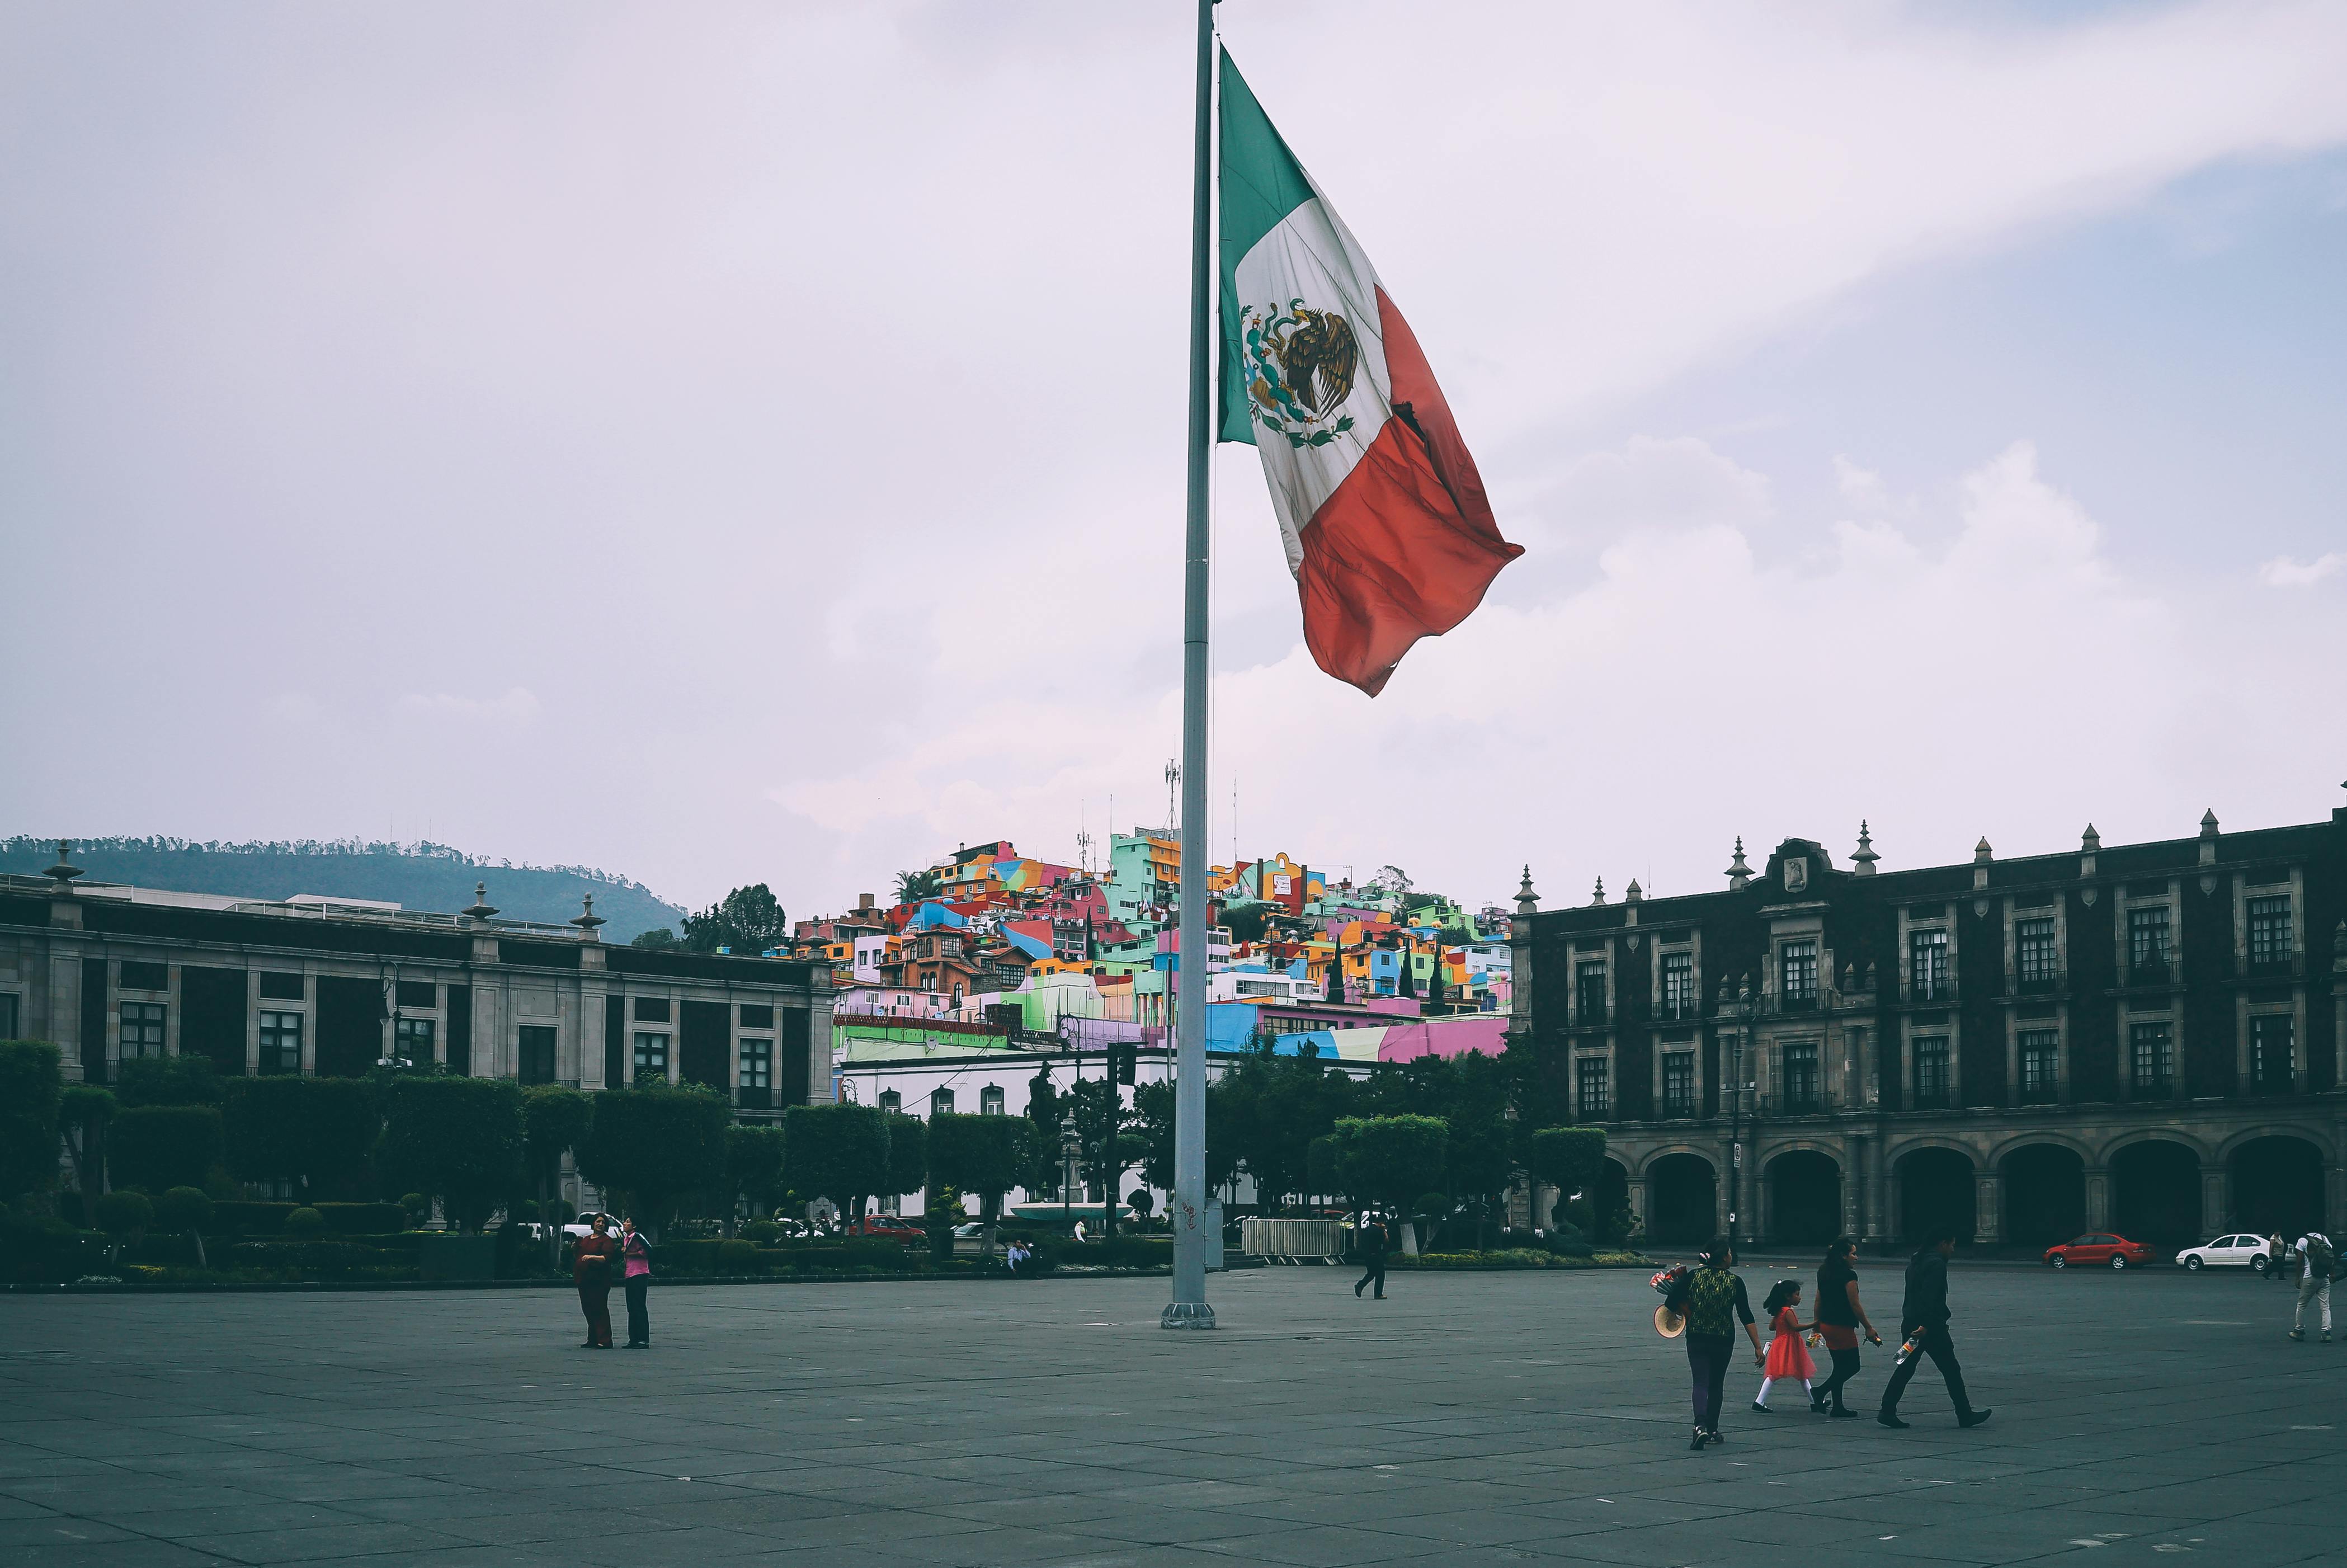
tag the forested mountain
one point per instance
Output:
(413, 876)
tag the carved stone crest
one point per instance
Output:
(1797, 873)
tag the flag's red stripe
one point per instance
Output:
(1406, 546)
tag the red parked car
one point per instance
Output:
(2099, 1247)
(888, 1226)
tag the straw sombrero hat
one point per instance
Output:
(1670, 1325)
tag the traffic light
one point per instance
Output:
(1123, 1062)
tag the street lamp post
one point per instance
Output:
(1072, 1148)
(1747, 1007)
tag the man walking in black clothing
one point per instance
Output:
(1923, 1325)
(1371, 1239)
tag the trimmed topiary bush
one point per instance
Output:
(125, 1215)
(305, 1225)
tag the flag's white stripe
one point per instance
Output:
(1310, 256)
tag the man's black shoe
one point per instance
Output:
(1842, 1413)
(1973, 1418)
(1699, 1439)
(1888, 1419)
(1357, 1289)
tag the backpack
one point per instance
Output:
(2321, 1262)
(1711, 1304)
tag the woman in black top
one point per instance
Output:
(1712, 1299)
(1840, 1317)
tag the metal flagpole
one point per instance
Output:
(1188, 1309)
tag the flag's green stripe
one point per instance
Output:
(1261, 184)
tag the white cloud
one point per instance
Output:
(516, 706)
(2284, 572)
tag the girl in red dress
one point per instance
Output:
(1788, 1357)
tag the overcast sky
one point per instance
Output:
(726, 443)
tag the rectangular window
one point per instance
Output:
(142, 1028)
(280, 1042)
(1592, 982)
(2151, 1053)
(1678, 1084)
(652, 1057)
(2269, 944)
(2147, 943)
(797, 1064)
(755, 1083)
(2040, 1065)
(2274, 1063)
(891, 1100)
(537, 1063)
(652, 1010)
(757, 1017)
(1595, 1104)
(146, 976)
(1801, 1078)
(1679, 985)
(424, 994)
(989, 1100)
(2034, 938)
(412, 1040)
(1928, 964)
(1797, 974)
(279, 987)
(941, 1100)
(1931, 1072)
(7, 1015)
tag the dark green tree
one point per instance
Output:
(167, 1081)
(660, 938)
(655, 1143)
(188, 1211)
(748, 920)
(837, 1152)
(318, 1132)
(909, 1153)
(32, 1087)
(554, 1122)
(459, 1140)
(124, 1215)
(157, 1147)
(1039, 1164)
(1568, 1159)
(85, 1111)
(1112, 1140)
(1392, 1159)
(753, 1171)
(978, 1154)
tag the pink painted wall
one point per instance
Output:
(1445, 1037)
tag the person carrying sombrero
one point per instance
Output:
(1709, 1298)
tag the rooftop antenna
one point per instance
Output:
(1173, 798)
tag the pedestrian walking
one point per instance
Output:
(1371, 1238)
(1839, 1318)
(590, 1270)
(636, 1259)
(1923, 1331)
(2276, 1257)
(1788, 1357)
(1711, 1299)
(2316, 1260)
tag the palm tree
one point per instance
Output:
(912, 887)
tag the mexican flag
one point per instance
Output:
(1388, 531)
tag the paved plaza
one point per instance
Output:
(1473, 1417)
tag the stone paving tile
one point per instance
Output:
(1058, 1426)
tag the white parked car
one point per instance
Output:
(2226, 1252)
(585, 1225)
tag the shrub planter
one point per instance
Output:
(445, 1255)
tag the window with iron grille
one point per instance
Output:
(1928, 964)
(2151, 1053)
(2040, 1064)
(1678, 1084)
(2147, 940)
(1590, 1088)
(1591, 982)
(651, 1055)
(1679, 985)
(2273, 1045)
(2034, 939)
(2270, 941)
(754, 1082)
(280, 1042)
(1801, 1078)
(142, 1028)
(536, 1064)
(1930, 1072)
(1797, 974)
(411, 1038)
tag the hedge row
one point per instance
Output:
(1519, 1258)
(240, 1218)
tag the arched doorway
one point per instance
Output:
(1804, 1197)
(2155, 1193)
(1935, 1191)
(2277, 1185)
(1682, 1198)
(1609, 1202)
(2044, 1194)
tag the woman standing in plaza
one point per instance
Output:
(1839, 1318)
(1711, 1299)
(637, 1258)
(590, 1270)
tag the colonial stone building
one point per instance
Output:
(330, 988)
(2150, 1038)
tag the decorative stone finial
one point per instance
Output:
(1527, 901)
(1981, 855)
(1634, 894)
(1738, 873)
(2208, 822)
(482, 908)
(1862, 863)
(2090, 841)
(587, 920)
(62, 872)
(1600, 897)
